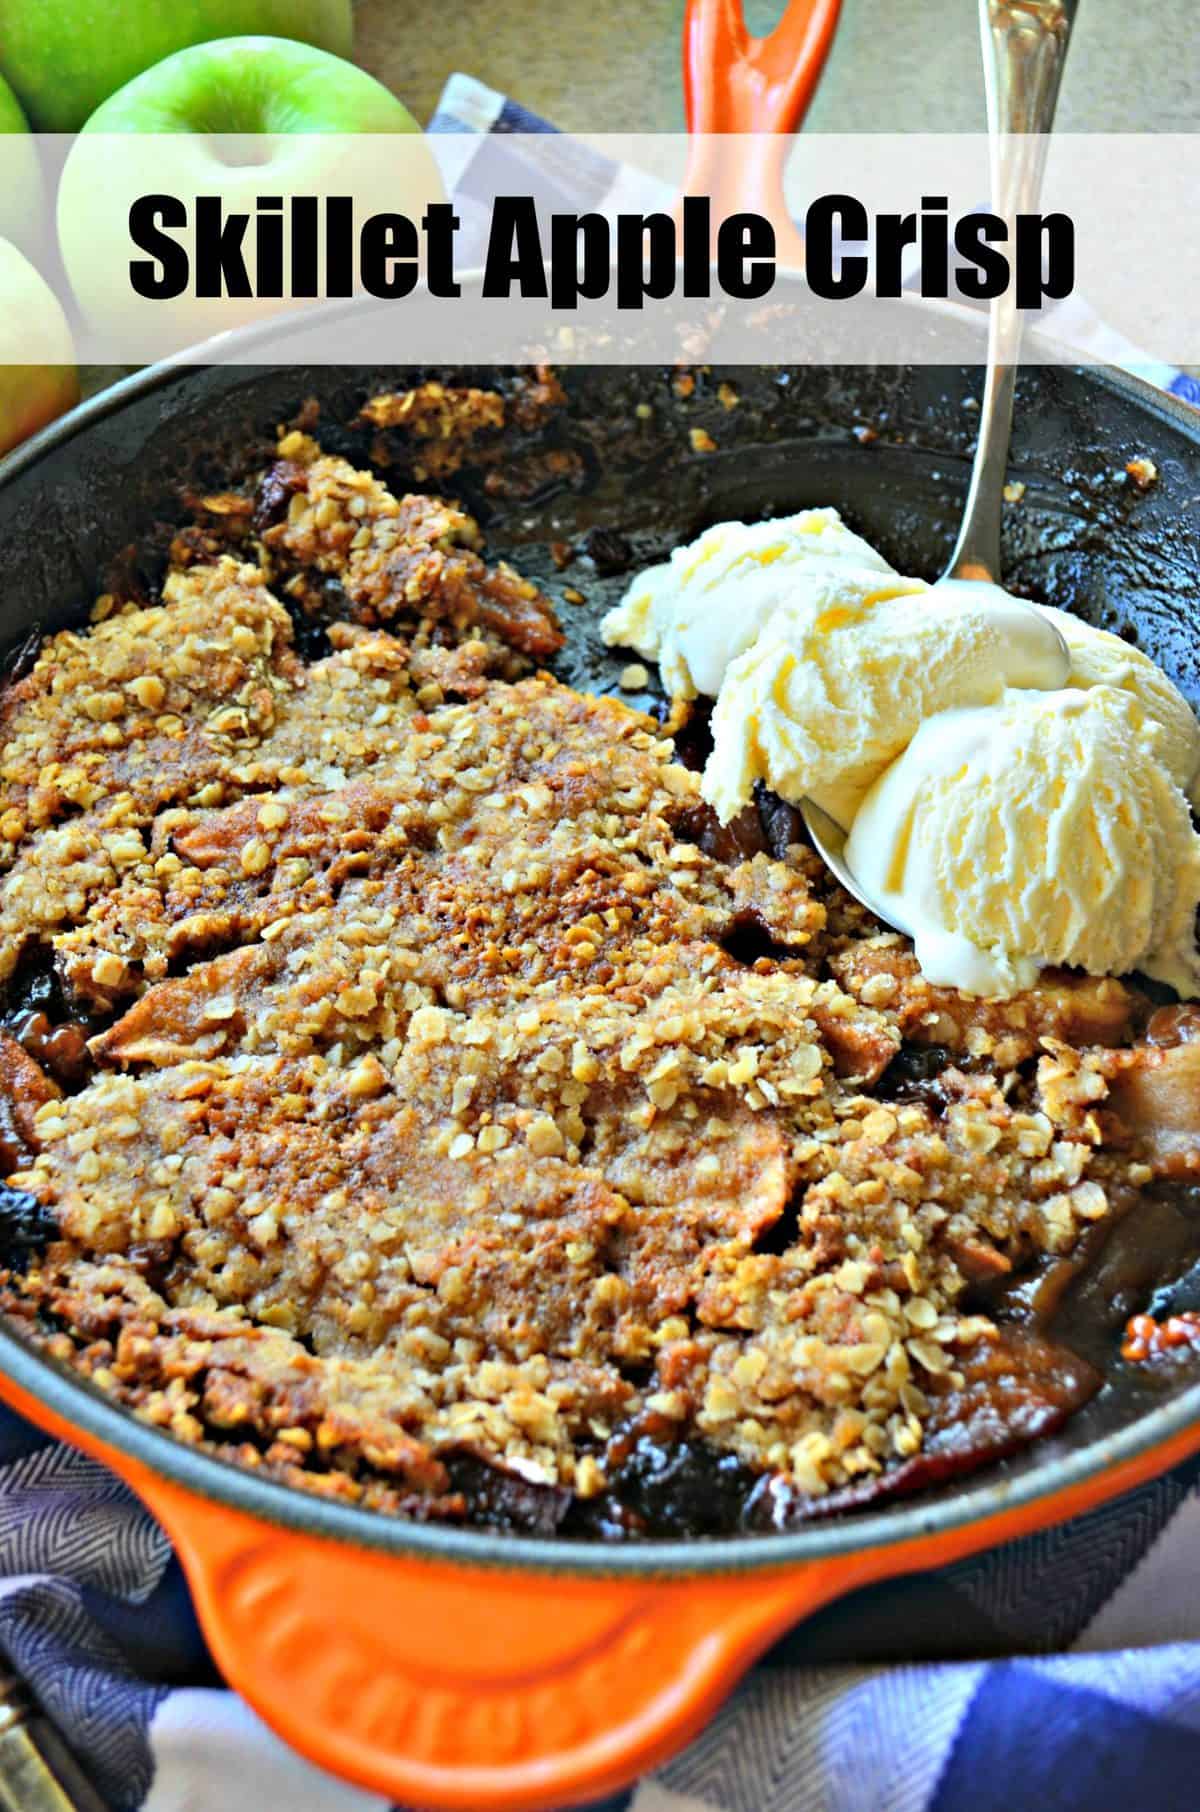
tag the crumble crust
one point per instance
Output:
(456, 1092)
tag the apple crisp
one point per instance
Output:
(409, 1091)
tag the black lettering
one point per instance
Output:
(439, 224)
(975, 237)
(339, 245)
(746, 256)
(696, 216)
(389, 255)
(1044, 258)
(830, 219)
(645, 258)
(268, 247)
(579, 258)
(164, 275)
(514, 250)
(306, 241)
(893, 232)
(220, 266)
(935, 246)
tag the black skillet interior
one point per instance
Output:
(889, 446)
(641, 459)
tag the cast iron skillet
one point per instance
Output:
(460, 1667)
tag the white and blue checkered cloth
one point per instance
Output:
(1060, 1673)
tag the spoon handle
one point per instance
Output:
(1024, 48)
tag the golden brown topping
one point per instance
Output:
(149, 704)
(445, 420)
(462, 1091)
(882, 972)
(412, 557)
(24, 1088)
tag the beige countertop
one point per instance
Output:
(896, 65)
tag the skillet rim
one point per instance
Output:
(83, 1404)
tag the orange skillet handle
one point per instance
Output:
(734, 83)
(494, 1691)
(485, 1690)
(473, 1688)
(468, 1687)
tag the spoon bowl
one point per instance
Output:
(1024, 48)
(829, 841)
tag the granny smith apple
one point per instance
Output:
(180, 129)
(38, 379)
(22, 198)
(63, 57)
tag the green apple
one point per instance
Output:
(63, 57)
(38, 379)
(182, 129)
(22, 198)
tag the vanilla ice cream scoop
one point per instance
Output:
(1098, 658)
(1014, 782)
(1044, 829)
(830, 693)
(706, 604)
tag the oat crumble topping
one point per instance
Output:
(457, 1091)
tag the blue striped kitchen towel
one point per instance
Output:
(1070, 1680)
(1060, 1673)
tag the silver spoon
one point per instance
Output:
(1024, 48)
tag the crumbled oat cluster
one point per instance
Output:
(413, 556)
(458, 1092)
